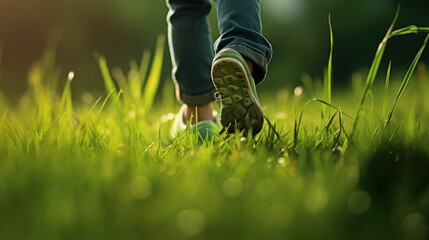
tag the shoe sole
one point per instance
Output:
(240, 108)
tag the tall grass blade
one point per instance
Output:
(272, 128)
(296, 127)
(154, 76)
(373, 73)
(109, 84)
(135, 83)
(144, 65)
(328, 79)
(66, 97)
(386, 89)
(406, 80)
(377, 60)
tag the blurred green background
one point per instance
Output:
(121, 30)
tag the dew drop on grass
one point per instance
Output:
(359, 202)
(70, 76)
(141, 187)
(190, 223)
(298, 91)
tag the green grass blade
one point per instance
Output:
(373, 72)
(144, 65)
(297, 124)
(114, 103)
(109, 84)
(328, 81)
(296, 127)
(412, 29)
(329, 105)
(272, 127)
(386, 89)
(406, 80)
(135, 83)
(154, 76)
(103, 105)
(84, 119)
(342, 130)
(329, 123)
(66, 97)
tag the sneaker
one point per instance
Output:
(240, 108)
(204, 129)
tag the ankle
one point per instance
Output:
(198, 113)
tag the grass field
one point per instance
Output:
(351, 164)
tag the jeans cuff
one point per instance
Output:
(196, 100)
(260, 61)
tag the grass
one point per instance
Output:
(105, 169)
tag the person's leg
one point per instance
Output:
(240, 63)
(240, 28)
(191, 52)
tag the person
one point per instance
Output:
(229, 70)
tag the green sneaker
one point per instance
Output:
(204, 129)
(239, 101)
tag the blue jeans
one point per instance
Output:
(190, 43)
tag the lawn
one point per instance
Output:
(330, 164)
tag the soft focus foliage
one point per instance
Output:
(104, 169)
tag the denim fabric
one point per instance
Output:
(191, 48)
